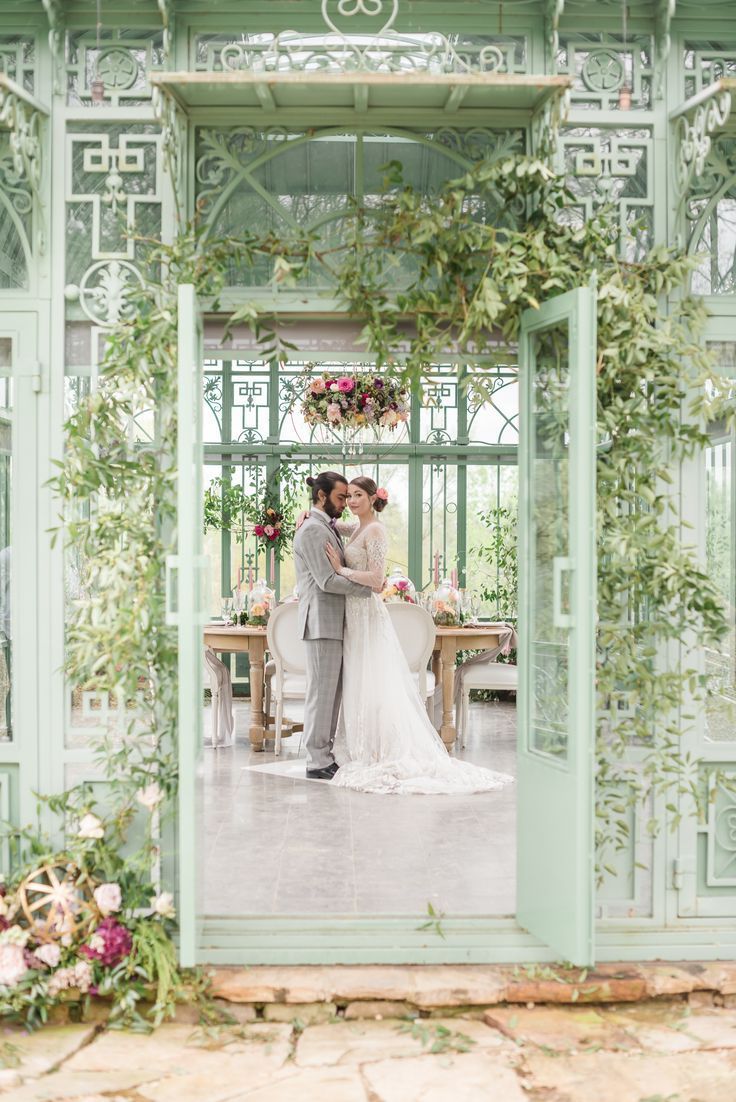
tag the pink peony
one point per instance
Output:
(12, 964)
(317, 386)
(345, 384)
(382, 493)
(333, 412)
(108, 898)
(268, 531)
(110, 942)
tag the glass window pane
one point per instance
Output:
(549, 525)
(6, 489)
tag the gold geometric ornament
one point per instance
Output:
(54, 903)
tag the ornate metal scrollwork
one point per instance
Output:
(22, 176)
(694, 137)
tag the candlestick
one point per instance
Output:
(454, 579)
(273, 567)
(436, 568)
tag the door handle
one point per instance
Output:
(561, 564)
(171, 604)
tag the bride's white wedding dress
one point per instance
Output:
(385, 740)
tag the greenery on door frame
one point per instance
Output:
(474, 280)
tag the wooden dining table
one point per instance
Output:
(448, 641)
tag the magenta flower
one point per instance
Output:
(345, 384)
(110, 942)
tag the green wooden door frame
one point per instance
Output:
(185, 610)
(555, 807)
(19, 757)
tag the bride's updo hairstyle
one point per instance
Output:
(367, 484)
(326, 482)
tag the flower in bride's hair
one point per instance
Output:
(382, 493)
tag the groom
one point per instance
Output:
(322, 595)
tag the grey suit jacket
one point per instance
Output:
(322, 592)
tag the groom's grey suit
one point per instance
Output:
(322, 595)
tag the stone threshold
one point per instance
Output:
(422, 988)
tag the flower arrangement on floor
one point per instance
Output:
(83, 922)
(356, 401)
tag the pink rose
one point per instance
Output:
(382, 493)
(317, 386)
(108, 898)
(345, 384)
(268, 531)
(12, 964)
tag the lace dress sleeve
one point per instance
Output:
(376, 546)
(347, 528)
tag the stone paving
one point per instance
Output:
(663, 1050)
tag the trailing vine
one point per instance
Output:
(471, 258)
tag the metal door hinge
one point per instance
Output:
(682, 867)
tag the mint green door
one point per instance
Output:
(557, 602)
(187, 574)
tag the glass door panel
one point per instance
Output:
(557, 621)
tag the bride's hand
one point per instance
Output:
(334, 556)
(301, 518)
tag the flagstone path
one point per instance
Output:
(661, 1050)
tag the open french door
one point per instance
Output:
(557, 604)
(188, 598)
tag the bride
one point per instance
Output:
(385, 741)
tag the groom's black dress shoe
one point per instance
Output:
(325, 774)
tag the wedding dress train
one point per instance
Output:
(385, 741)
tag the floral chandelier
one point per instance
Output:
(356, 409)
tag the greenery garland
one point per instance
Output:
(488, 245)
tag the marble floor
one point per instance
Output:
(280, 845)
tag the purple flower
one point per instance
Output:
(378, 384)
(110, 942)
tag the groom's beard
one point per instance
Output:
(333, 512)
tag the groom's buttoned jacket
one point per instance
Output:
(322, 592)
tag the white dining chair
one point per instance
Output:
(221, 691)
(492, 675)
(415, 629)
(287, 677)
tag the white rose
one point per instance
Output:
(163, 905)
(48, 954)
(108, 898)
(12, 964)
(150, 796)
(90, 827)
